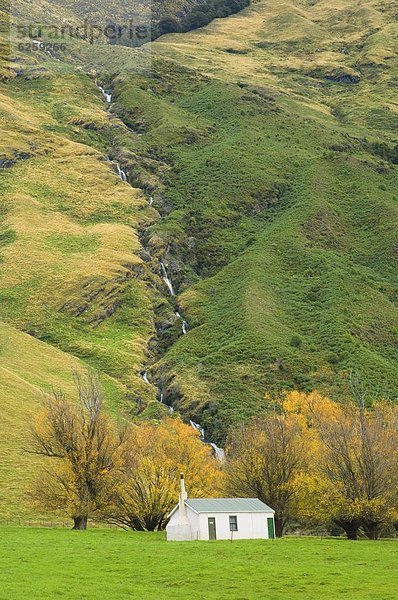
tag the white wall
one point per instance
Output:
(174, 530)
(250, 525)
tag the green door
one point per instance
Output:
(271, 528)
(212, 528)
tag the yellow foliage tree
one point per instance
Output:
(85, 448)
(155, 454)
(265, 457)
(352, 475)
(321, 461)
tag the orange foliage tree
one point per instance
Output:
(154, 456)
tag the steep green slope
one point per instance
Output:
(279, 200)
(268, 142)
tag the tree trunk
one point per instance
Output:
(80, 523)
(279, 525)
(352, 534)
(371, 529)
(350, 528)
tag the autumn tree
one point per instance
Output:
(85, 449)
(357, 463)
(154, 456)
(264, 459)
(351, 479)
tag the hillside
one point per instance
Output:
(28, 367)
(267, 142)
(73, 284)
(70, 249)
(279, 206)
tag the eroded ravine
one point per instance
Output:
(144, 374)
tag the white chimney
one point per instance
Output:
(180, 530)
(181, 500)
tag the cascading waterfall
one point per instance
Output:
(184, 324)
(106, 95)
(167, 279)
(123, 177)
(219, 452)
(171, 409)
(121, 173)
(144, 376)
(198, 428)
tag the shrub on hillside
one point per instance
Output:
(168, 25)
(212, 9)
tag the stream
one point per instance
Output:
(121, 173)
(144, 377)
(107, 95)
(167, 279)
(161, 400)
(184, 323)
(219, 452)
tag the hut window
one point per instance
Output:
(233, 523)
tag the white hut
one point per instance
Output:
(219, 518)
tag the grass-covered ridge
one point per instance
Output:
(268, 142)
(122, 565)
(274, 133)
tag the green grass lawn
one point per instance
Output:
(49, 563)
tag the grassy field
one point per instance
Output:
(102, 564)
